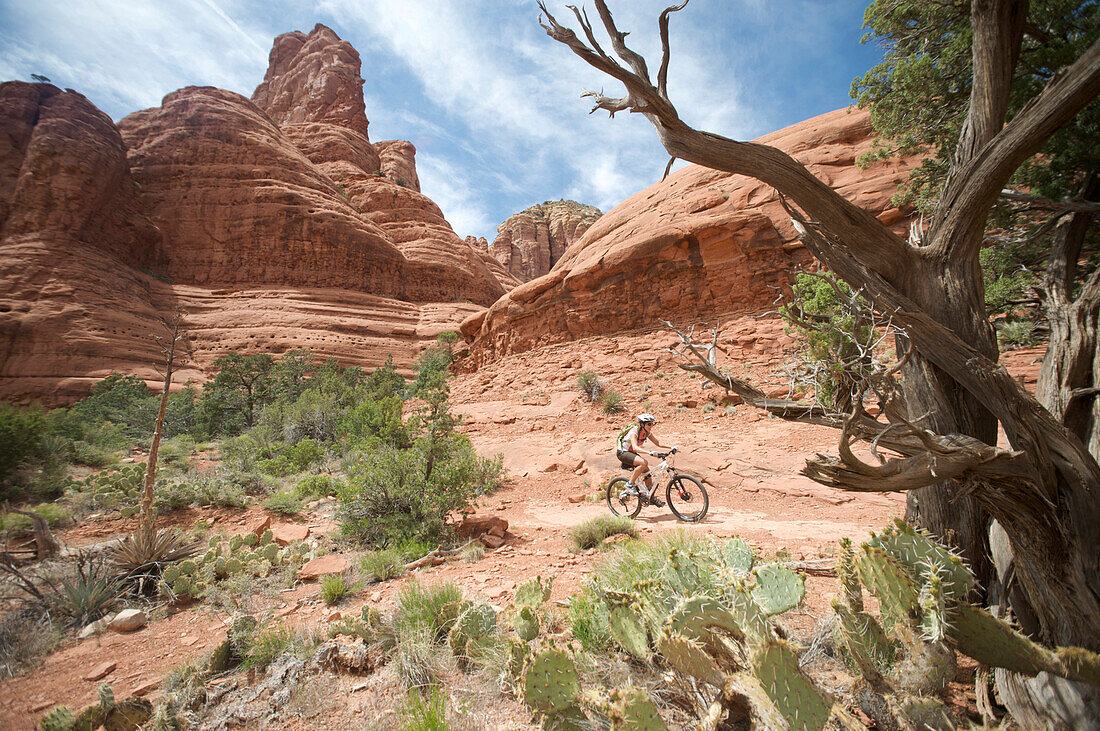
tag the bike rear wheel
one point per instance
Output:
(687, 498)
(628, 504)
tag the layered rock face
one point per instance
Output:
(73, 237)
(532, 241)
(699, 245)
(272, 223)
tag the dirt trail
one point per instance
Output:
(556, 447)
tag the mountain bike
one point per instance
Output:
(685, 495)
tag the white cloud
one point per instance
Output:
(449, 187)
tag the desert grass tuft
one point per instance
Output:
(335, 588)
(591, 533)
(381, 565)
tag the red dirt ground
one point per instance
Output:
(555, 446)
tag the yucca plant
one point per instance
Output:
(140, 557)
(88, 595)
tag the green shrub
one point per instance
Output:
(377, 420)
(283, 503)
(591, 533)
(174, 495)
(219, 491)
(394, 494)
(335, 588)
(92, 455)
(21, 432)
(425, 712)
(590, 385)
(381, 565)
(611, 402)
(316, 486)
(266, 644)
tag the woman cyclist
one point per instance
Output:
(629, 451)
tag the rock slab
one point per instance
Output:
(128, 620)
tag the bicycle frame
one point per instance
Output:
(663, 468)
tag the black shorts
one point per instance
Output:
(626, 458)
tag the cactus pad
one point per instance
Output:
(688, 657)
(59, 718)
(933, 608)
(738, 555)
(474, 624)
(694, 616)
(550, 682)
(897, 593)
(748, 615)
(791, 692)
(778, 589)
(916, 551)
(865, 641)
(634, 711)
(848, 573)
(526, 624)
(629, 631)
(532, 593)
(993, 642)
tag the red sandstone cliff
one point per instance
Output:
(698, 245)
(529, 243)
(273, 223)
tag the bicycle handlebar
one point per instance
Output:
(662, 455)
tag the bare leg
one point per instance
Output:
(640, 468)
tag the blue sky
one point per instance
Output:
(491, 103)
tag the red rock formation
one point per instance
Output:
(529, 243)
(277, 227)
(73, 233)
(313, 78)
(507, 280)
(398, 161)
(698, 245)
(313, 87)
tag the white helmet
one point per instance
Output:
(647, 418)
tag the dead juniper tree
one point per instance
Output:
(1045, 489)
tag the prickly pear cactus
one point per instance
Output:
(848, 573)
(690, 658)
(778, 589)
(917, 552)
(739, 556)
(550, 682)
(526, 624)
(693, 617)
(628, 629)
(921, 714)
(59, 718)
(634, 711)
(533, 593)
(793, 694)
(472, 627)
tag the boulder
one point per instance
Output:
(94, 628)
(476, 525)
(128, 620)
(323, 566)
(257, 526)
(287, 533)
(491, 541)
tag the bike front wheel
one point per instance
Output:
(687, 498)
(622, 501)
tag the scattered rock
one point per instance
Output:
(128, 620)
(100, 671)
(259, 525)
(287, 533)
(96, 627)
(323, 566)
(147, 687)
(476, 525)
(492, 541)
(578, 498)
